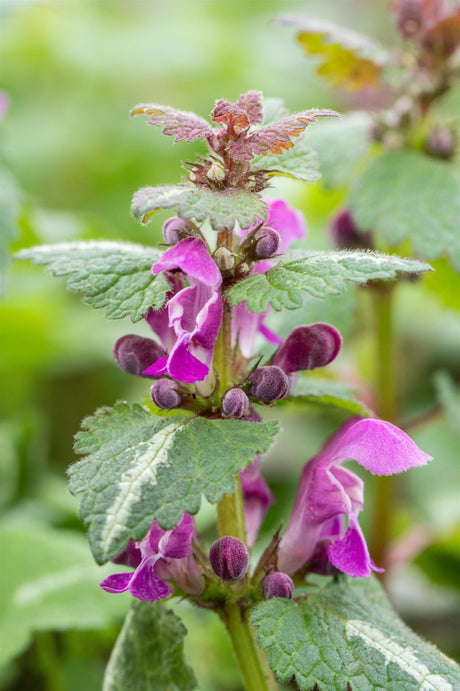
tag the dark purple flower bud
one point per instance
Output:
(165, 394)
(268, 384)
(308, 347)
(135, 353)
(345, 233)
(229, 558)
(235, 403)
(409, 17)
(440, 142)
(268, 243)
(277, 584)
(174, 230)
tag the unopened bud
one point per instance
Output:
(268, 384)
(268, 243)
(235, 403)
(165, 394)
(216, 172)
(174, 229)
(277, 584)
(440, 142)
(409, 17)
(308, 347)
(224, 258)
(135, 353)
(229, 558)
(345, 233)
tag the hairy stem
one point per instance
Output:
(256, 675)
(386, 404)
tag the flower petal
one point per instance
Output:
(192, 257)
(146, 586)
(350, 553)
(257, 499)
(176, 543)
(117, 583)
(289, 222)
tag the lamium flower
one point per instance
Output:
(161, 551)
(194, 313)
(290, 225)
(329, 493)
(257, 499)
(308, 347)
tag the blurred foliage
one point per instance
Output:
(73, 159)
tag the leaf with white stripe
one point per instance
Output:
(139, 467)
(116, 276)
(347, 636)
(149, 652)
(320, 274)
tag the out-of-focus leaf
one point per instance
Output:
(184, 126)
(48, 581)
(325, 392)
(148, 655)
(138, 468)
(300, 163)
(9, 210)
(346, 58)
(441, 560)
(222, 208)
(405, 194)
(116, 276)
(318, 273)
(449, 397)
(339, 144)
(347, 636)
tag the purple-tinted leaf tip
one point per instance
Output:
(277, 584)
(229, 558)
(308, 347)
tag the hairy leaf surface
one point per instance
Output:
(116, 276)
(222, 208)
(300, 163)
(139, 467)
(318, 273)
(408, 195)
(149, 652)
(346, 58)
(182, 125)
(347, 636)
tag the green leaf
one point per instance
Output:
(347, 636)
(346, 58)
(49, 582)
(449, 398)
(222, 208)
(9, 210)
(339, 145)
(139, 467)
(325, 392)
(300, 162)
(405, 194)
(148, 655)
(116, 276)
(318, 273)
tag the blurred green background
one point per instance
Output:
(71, 159)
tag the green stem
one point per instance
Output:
(256, 676)
(47, 660)
(230, 514)
(386, 404)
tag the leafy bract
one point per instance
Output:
(48, 582)
(222, 208)
(139, 467)
(326, 392)
(346, 58)
(300, 163)
(339, 145)
(347, 636)
(184, 126)
(405, 194)
(149, 655)
(116, 276)
(318, 273)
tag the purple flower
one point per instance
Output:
(290, 224)
(308, 347)
(160, 551)
(193, 313)
(329, 493)
(257, 499)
